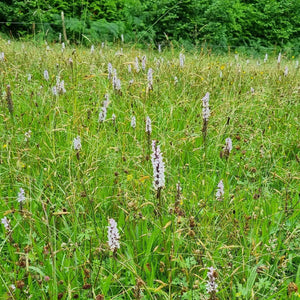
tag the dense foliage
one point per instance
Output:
(254, 23)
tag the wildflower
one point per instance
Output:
(266, 58)
(211, 286)
(110, 70)
(144, 59)
(102, 44)
(236, 57)
(27, 135)
(77, 143)
(29, 77)
(158, 167)
(2, 56)
(59, 37)
(92, 49)
(297, 64)
(279, 58)
(205, 109)
(286, 71)
(181, 59)
(148, 125)
(136, 65)
(129, 68)
(102, 114)
(63, 47)
(131, 81)
(159, 48)
(59, 88)
(252, 90)
(103, 111)
(6, 222)
(113, 235)
(133, 122)
(46, 75)
(150, 79)
(21, 196)
(122, 38)
(228, 146)
(221, 74)
(175, 80)
(113, 117)
(220, 191)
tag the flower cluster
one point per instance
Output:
(205, 109)
(211, 286)
(6, 223)
(150, 79)
(220, 191)
(77, 143)
(113, 235)
(103, 111)
(158, 167)
(148, 125)
(59, 88)
(46, 75)
(133, 122)
(21, 196)
(181, 60)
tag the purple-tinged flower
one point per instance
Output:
(21, 196)
(211, 286)
(228, 146)
(6, 223)
(220, 191)
(150, 79)
(46, 75)
(113, 235)
(144, 60)
(279, 58)
(148, 125)
(205, 109)
(136, 65)
(158, 167)
(286, 71)
(77, 143)
(110, 70)
(133, 122)
(181, 60)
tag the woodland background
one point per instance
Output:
(256, 24)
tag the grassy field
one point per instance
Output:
(73, 157)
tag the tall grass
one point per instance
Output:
(56, 244)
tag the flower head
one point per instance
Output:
(181, 59)
(220, 191)
(228, 146)
(205, 109)
(46, 75)
(77, 143)
(158, 167)
(150, 79)
(21, 196)
(113, 235)
(211, 286)
(148, 125)
(6, 223)
(133, 122)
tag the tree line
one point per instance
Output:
(249, 23)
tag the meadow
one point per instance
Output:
(219, 221)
